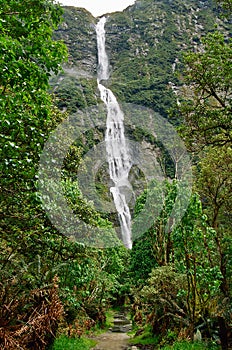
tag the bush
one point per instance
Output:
(31, 321)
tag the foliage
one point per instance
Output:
(145, 44)
(185, 295)
(207, 130)
(30, 321)
(144, 339)
(73, 93)
(226, 5)
(208, 111)
(78, 32)
(180, 280)
(196, 256)
(142, 260)
(213, 176)
(28, 57)
(156, 241)
(160, 302)
(89, 283)
(66, 343)
(31, 56)
(213, 172)
(76, 87)
(32, 251)
(190, 346)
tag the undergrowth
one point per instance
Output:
(145, 339)
(183, 345)
(65, 343)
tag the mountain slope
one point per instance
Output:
(145, 43)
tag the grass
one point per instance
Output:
(65, 343)
(110, 318)
(144, 339)
(190, 346)
(109, 323)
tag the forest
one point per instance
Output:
(174, 285)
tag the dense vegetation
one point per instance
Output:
(175, 283)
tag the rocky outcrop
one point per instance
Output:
(76, 87)
(78, 33)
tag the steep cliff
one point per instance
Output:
(76, 88)
(145, 43)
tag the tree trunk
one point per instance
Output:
(223, 333)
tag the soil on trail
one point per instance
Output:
(112, 341)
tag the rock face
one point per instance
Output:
(142, 27)
(76, 87)
(144, 44)
(78, 32)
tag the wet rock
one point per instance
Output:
(121, 324)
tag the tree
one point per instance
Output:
(208, 109)
(184, 294)
(28, 56)
(156, 241)
(207, 112)
(226, 5)
(32, 251)
(196, 256)
(214, 184)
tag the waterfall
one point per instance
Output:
(116, 145)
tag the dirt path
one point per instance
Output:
(112, 341)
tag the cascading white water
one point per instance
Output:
(116, 146)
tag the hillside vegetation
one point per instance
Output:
(175, 283)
